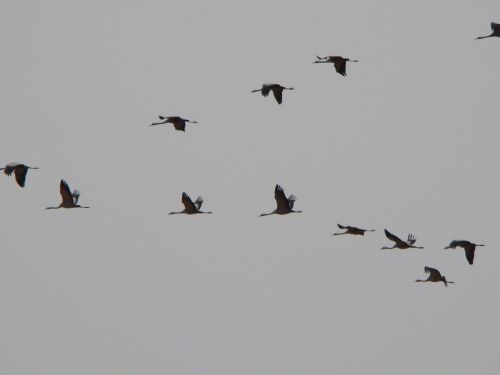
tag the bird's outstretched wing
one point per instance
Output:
(67, 197)
(434, 273)
(392, 237)
(281, 199)
(278, 94)
(291, 201)
(188, 203)
(199, 202)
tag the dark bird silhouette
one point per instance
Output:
(275, 88)
(434, 276)
(284, 205)
(339, 62)
(69, 199)
(495, 27)
(178, 122)
(469, 248)
(191, 208)
(352, 230)
(19, 170)
(399, 243)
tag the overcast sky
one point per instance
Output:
(408, 141)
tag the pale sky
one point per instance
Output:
(408, 141)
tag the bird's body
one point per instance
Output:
(284, 205)
(178, 122)
(275, 88)
(19, 170)
(468, 246)
(495, 28)
(190, 207)
(434, 276)
(339, 62)
(399, 243)
(69, 199)
(352, 230)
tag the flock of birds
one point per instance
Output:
(284, 204)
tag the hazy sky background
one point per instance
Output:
(407, 141)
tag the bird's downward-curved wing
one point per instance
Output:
(278, 94)
(20, 172)
(469, 254)
(179, 124)
(340, 66)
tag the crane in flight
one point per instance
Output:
(69, 199)
(339, 62)
(468, 246)
(352, 230)
(190, 207)
(178, 122)
(19, 170)
(284, 205)
(495, 28)
(399, 243)
(275, 88)
(434, 276)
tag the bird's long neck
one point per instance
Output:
(480, 245)
(416, 247)
(483, 37)
(256, 90)
(175, 212)
(267, 214)
(33, 168)
(421, 281)
(388, 248)
(53, 208)
(339, 233)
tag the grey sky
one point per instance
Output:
(407, 141)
